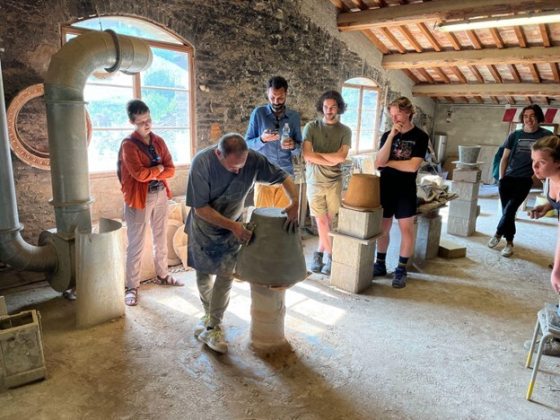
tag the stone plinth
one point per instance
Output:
(359, 224)
(428, 232)
(352, 262)
(268, 311)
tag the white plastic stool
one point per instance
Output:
(548, 324)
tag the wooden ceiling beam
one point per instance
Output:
(495, 100)
(520, 36)
(339, 4)
(488, 89)
(479, 99)
(534, 72)
(393, 40)
(426, 75)
(411, 40)
(497, 37)
(376, 41)
(476, 74)
(431, 39)
(474, 40)
(555, 73)
(436, 10)
(483, 57)
(442, 75)
(459, 74)
(544, 35)
(514, 73)
(495, 74)
(412, 76)
(454, 41)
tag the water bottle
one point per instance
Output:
(285, 136)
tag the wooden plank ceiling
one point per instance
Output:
(513, 65)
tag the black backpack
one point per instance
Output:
(141, 145)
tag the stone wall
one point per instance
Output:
(238, 45)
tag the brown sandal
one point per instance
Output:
(169, 281)
(131, 297)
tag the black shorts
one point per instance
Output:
(398, 195)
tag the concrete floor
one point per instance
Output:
(449, 345)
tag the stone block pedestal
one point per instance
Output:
(352, 264)
(428, 232)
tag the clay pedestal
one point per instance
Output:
(267, 317)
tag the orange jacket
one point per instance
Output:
(137, 172)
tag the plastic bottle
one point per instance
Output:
(285, 135)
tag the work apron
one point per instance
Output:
(211, 249)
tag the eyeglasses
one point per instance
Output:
(142, 123)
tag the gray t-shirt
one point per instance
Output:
(212, 249)
(325, 138)
(519, 143)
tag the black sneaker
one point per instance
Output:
(399, 278)
(379, 269)
(317, 263)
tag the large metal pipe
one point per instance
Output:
(64, 87)
(13, 249)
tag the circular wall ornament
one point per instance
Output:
(27, 127)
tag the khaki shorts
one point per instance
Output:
(324, 198)
(271, 196)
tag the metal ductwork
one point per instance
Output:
(13, 249)
(66, 121)
(64, 85)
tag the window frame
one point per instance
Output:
(183, 47)
(375, 133)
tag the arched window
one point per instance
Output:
(361, 97)
(166, 87)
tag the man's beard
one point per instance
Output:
(278, 107)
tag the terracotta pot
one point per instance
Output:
(362, 193)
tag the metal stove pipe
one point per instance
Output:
(64, 96)
(13, 249)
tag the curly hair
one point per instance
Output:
(331, 94)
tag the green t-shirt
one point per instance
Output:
(325, 138)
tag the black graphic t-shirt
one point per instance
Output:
(519, 143)
(413, 143)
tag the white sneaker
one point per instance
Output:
(508, 250)
(214, 339)
(494, 240)
(201, 326)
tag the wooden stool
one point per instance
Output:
(548, 324)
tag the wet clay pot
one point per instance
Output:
(273, 256)
(468, 154)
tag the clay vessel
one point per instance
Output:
(362, 193)
(468, 154)
(273, 256)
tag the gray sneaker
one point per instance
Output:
(214, 338)
(317, 264)
(327, 266)
(508, 250)
(494, 240)
(550, 348)
(201, 325)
